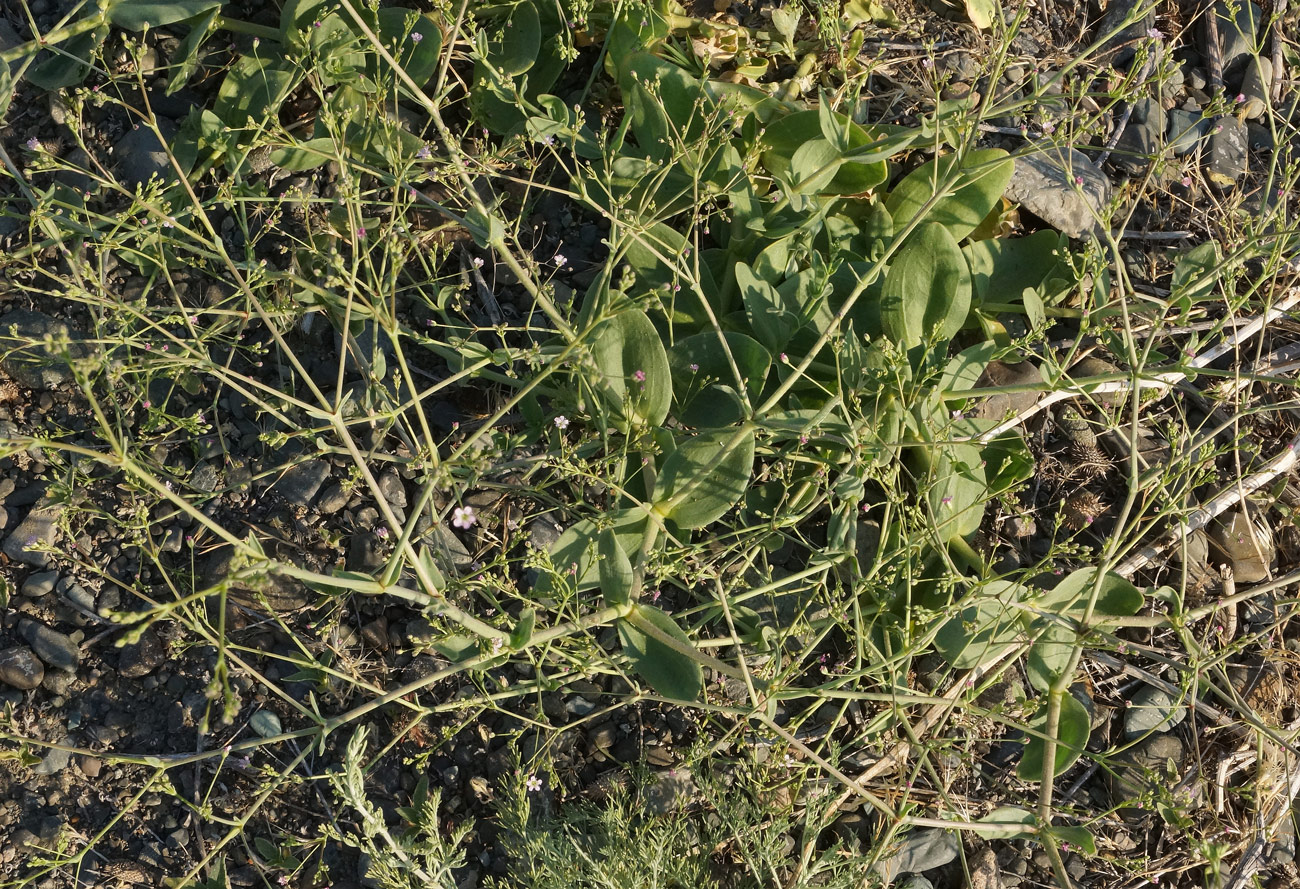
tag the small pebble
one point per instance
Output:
(20, 668)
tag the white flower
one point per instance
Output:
(561, 422)
(533, 783)
(561, 260)
(463, 517)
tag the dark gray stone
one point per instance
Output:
(335, 498)
(140, 154)
(1255, 86)
(447, 549)
(1139, 767)
(21, 668)
(672, 790)
(1124, 43)
(1151, 710)
(390, 485)
(1186, 130)
(1238, 35)
(55, 761)
(40, 584)
(1140, 140)
(365, 553)
(51, 646)
(38, 530)
(299, 484)
(1061, 187)
(143, 657)
(1227, 152)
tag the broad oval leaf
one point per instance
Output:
(976, 187)
(635, 382)
(135, 15)
(253, 90)
(521, 40)
(705, 477)
(576, 555)
(418, 56)
(614, 569)
(1007, 823)
(927, 290)
(782, 139)
(1072, 733)
(982, 629)
(701, 371)
(1117, 596)
(668, 671)
(771, 319)
(959, 490)
(1050, 656)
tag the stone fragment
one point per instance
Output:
(20, 668)
(1227, 152)
(51, 646)
(40, 584)
(24, 355)
(921, 850)
(39, 530)
(1151, 709)
(299, 484)
(1186, 130)
(1061, 187)
(141, 155)
(1255, 86)
(143, 657)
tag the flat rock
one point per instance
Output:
(1255, 87)
(51, 646)
(21, 668)
(1238, 34)
(1061, 187)
(37, 531)
(447, 549)
(922, 850)
(1227, 152)
(1186, 130)
(672, 789)
(1001, 405)
(1245, 541)
(299, 484)
(40, 584)
(1140, 140)
(23, 355)
(1138, 767)
(335, 498)
(1124, 43)
(1151, 710)
(143, 657)
(140, 154)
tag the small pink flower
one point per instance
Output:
(561, 422)
(416, 36)
(561, 260)
(638, 375)
(534, 783)
(463, 517)
(1078, 180)
(1187, 182)
(1154, 33)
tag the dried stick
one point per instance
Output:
(1213, 53)
(1279, 10)
(1165, 380)
(1122, 123)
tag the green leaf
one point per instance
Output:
(667, 670)
(704, 385)
(1073, 729)
(71, 66)
(1001, 268)
(521, 39)
(859, 170)
(186, 59)
(812, 166)
(523, 631)
(635, 382)
(1050, 656)
(305, 155)
(614, 568)
(983, 13)
(576, 556)
(705, 476)
(966, 367)
(1195, 275)
(869, 12)
(457, 648)
(1079, 838)
(1007, 823)
(663, 101)
(431, 571)
(982, 629)
(418, 58)
(926, 294)
(976, 188)
(253, 90)
(1117, 597)
(772, 321)
(136, 15)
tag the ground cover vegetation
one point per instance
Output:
(574, 443)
